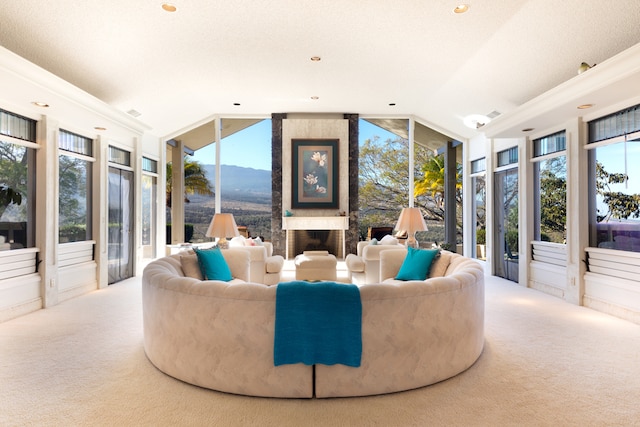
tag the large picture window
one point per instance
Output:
(550, 177)
(74, 219)
(17, 186)
(615, 181)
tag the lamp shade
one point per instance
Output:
(222, 225)
(411, 220)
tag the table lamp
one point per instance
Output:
(222, 226)
(411, 220)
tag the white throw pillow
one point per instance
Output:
(389, 240)
(236, 241)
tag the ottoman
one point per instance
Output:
(316, 265)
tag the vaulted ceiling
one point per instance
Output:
(378, 58)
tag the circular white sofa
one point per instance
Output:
(220, 335)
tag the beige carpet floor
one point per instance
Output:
(545, 363)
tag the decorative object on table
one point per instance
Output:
(288, 213)
(411, 220)
(222, 225)
(315, 173)
(584, 67)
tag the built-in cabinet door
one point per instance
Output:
(506, 224)
(121, 217)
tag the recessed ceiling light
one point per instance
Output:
(527, 129)
(40, 104)
(316, 58)
(100, 128)
(315, 98)
(461, 8)
(169, 7)
(585, 106)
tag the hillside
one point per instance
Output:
(236, 179)
(245, 192)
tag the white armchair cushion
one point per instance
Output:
(355, 263)
(274, 264)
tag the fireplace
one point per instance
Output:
(315, 233)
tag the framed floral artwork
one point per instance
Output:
(315, 173)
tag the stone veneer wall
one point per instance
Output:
(277, 233)
(352, 235)
(278, 236)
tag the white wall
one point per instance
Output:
(70, 269)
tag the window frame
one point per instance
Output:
(536, 160)
(89, 181)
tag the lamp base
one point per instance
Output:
(412, 242)
(223, 243)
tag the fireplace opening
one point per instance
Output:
(315, 240)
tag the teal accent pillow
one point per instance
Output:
(373, 241)
(417, 264)
(213, 265)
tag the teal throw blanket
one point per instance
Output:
(318, 322)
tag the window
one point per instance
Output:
(615, 181)
(479, 165)
(74, 188)
(508, 156)
(149, 195)
(17, 186)
(119, 156)
(550, 178)
(479, 183)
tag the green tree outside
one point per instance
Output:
(195, 180)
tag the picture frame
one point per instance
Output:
(315, 173)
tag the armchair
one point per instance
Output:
(364, 267)
(264, 267)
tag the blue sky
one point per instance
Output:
(251, 148)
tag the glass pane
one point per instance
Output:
(149, 165)
(480, 201)
(616, 124)
(119, 156)
(14, 196)
(507, 157)
(549, 144)
(617, 197)
(149, 202)
(74, 215)
(120, 225)
(506, 224)
(479, 165)
(75, 143)
(17, 126)
(552, 199)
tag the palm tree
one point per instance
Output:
(195, 180)
(432, 182)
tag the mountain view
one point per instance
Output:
(245, 192)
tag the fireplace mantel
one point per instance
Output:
(315, 223)
(290, 223)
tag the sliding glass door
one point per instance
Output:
(506, 224)
(121, 228)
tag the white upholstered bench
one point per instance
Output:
(316, 265)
